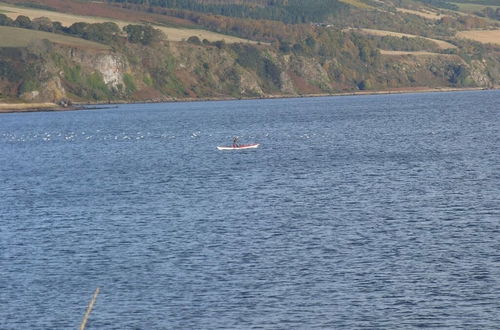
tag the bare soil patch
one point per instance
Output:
(483, 36)
(415, 53)
(442, 44)
(303, 86)
(19, 107)
(421, 13)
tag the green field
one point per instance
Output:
(16, 37)
(479, 2)
(173, 34)
(472, 7)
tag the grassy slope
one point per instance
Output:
(173, 34)
(16, 37)
(425, 14)
(413, 53)
(442, 44)
(358, 4)
(483, 36)
(87, 13)
(471, 7)
(190, 82)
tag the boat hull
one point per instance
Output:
(240, 147)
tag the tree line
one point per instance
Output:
(106, 33)
(287, 11)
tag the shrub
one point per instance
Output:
(23, 22)
(128, 80)
(5, 20)
(144, 34)
(194, 40)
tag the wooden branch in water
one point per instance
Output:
(89, 309)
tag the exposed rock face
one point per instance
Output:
(249, 85)
(52, 75)
(30, 96)
(112, 68)
(287, 86)
(478, 73)
(182, 70)
(51, 90)
(304, 76)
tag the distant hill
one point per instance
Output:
(288, 11)
(174, 33)
(298, 11)
(156, 50)
(13, 37)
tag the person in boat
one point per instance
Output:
(235, 142)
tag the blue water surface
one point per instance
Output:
(355, 212)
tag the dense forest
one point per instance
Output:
(297, 11)
(288, 11)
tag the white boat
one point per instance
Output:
(239, 147)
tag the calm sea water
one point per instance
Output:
(355, 212)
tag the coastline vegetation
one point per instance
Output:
(108, 62)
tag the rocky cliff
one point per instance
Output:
(182, 70)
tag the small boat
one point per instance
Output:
(239, 147)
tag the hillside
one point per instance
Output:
(55, 50)
(13, 37)
(67, 19)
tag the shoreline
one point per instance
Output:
(32, 107)
(50, 107)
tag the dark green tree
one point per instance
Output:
(23, 22)
(5, 20)
(144, 34)
(194, 40)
